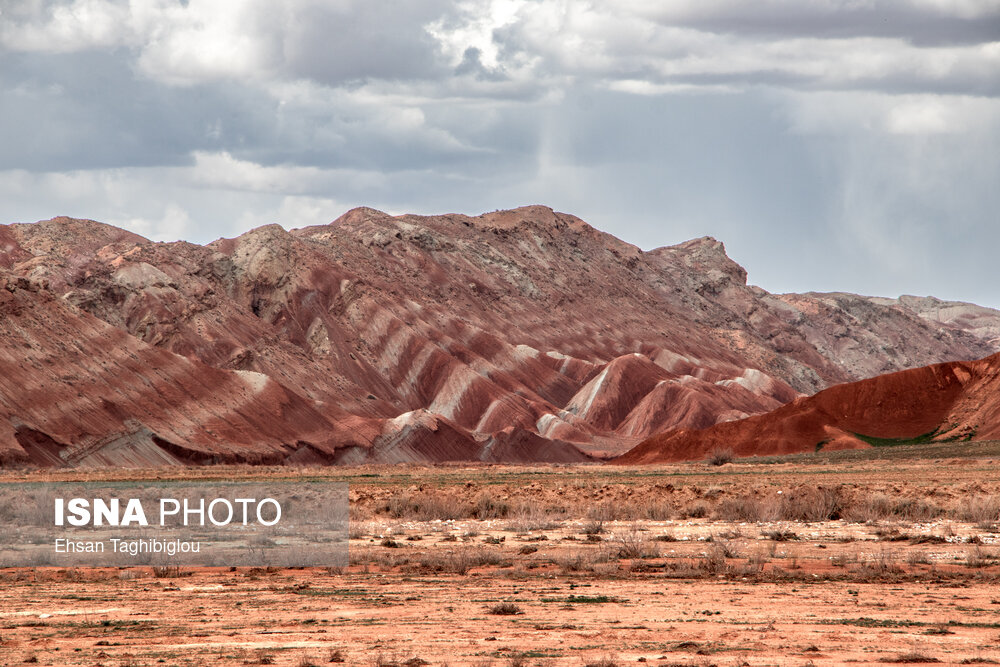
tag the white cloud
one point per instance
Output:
(474, 30)
(921, 117)
(79, 25)
(209, 39)
(643, 87)
(293, 211)
(174, 223)
(221, 171)
(850, 113)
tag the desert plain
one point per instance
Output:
(876, 556)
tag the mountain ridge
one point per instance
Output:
(485, 329)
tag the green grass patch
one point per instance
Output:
(896, 442)
(898, 451)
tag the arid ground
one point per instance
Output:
(888, 555)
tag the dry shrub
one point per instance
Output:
(976, 557)
(166, 571)
(916, 510)
(912, 657)
(714, 562)
(633, 543)
(488, 507)
(260, 657)
(423, 508)
(879, 507)
(606, 511)
(696, 510)
(461, 561)
(890, 535)
(980, 510)
(721, 456)
(802, 504)
(811, 504)
(528, 517)
(518, 660)
(382, 660)
(883, 564)
(780, 535)
(586, 561)
(656, 511)
(505, 609)
(757, 560)
(734, 533)
(386, 559)
(747, 508)
(843, 560)
(577, 562)
(606, 661)
(727, 549)
(869, 508)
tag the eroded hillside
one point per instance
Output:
(522, 335)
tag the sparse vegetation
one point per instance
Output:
(580, 549)
(633, 543)
(606, 661)
(721, 456)
(910, 657)
(781, 535)
(505, 609)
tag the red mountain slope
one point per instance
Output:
(955, 400)
(512, 336)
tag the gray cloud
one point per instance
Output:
(831, 145)
(920, 23)
(90, 110)
(342, 42)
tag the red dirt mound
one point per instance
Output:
(948, 401)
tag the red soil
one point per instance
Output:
(953, 400)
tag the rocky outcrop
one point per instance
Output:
(982, 322)
(516, 335)
(77, 391)
(942, 402)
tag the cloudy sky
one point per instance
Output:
(831, 144)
